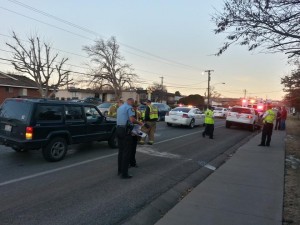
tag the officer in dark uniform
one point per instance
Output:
(125, 121)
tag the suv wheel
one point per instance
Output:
(55, 150)
(169, 124)
(227, 124)
(192, 124)
(113, 140)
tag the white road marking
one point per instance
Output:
(150, 151)
(210, 167)
(85, 162)
(55, 170)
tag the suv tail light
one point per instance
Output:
(185, 116)
(29, 133)
(249, 117)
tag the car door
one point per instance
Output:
(96, 129)
(75, 123)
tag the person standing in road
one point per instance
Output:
(135, 139)
(151, 116)
(125, 121)
(209, 123)
(283, 118)
(268, 120)
(112, 112)
(278, 119)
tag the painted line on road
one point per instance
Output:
(55, 170)
(82, 163)
(171, 139)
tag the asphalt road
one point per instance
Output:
(84, 188)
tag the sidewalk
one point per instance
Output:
(247, 189)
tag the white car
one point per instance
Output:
(186, 116)
(242, 116)
(220, 112)
(104, 108)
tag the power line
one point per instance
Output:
(89, 31)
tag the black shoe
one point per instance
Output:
(203, 135)
(211, 138)
(127, 176)
(261, 145)
(268, 145)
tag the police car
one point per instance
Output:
(220, 112)
(187, 116)
(243, 117)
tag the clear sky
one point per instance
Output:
(179, 31)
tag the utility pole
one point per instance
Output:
(208, 85)
(245, 93)
(162, 87)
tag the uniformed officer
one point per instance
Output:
(135, 139)
(125, 119)
(209, 123)
(112, 112)
(268, 120)
(151, 116)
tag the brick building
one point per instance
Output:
(12, 86)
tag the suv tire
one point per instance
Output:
(169, 124)
(113, 140)
(55, 150)
(228, 124)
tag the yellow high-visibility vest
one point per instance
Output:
(209, 117)
(153, 112)
(270, 117)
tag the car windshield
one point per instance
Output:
(218, 109)
(104, 105)
(181, 109)
(241, 110)
(16, 110)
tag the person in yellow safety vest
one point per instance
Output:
(268, 120)
(209, 123)
(151, 116)
(112, 112)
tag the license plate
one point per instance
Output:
(8, 128)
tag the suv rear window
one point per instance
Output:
(49, 113)
(241, 110)
(16, 109)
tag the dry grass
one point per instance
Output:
(292, 176)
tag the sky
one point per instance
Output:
(172, 39)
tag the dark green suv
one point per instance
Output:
(32, 124)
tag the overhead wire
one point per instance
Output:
(91, 32)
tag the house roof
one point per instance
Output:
(11, 80)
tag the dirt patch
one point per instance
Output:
(291, 210)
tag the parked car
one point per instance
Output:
(91, 100)
(242, 116)
(162, 108)
(220, 112)
(186, 116)
(104, 107)
(32, 124)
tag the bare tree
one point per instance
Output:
(36, 60)
(270, 24)
(110, 68)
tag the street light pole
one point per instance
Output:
(208, 85)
